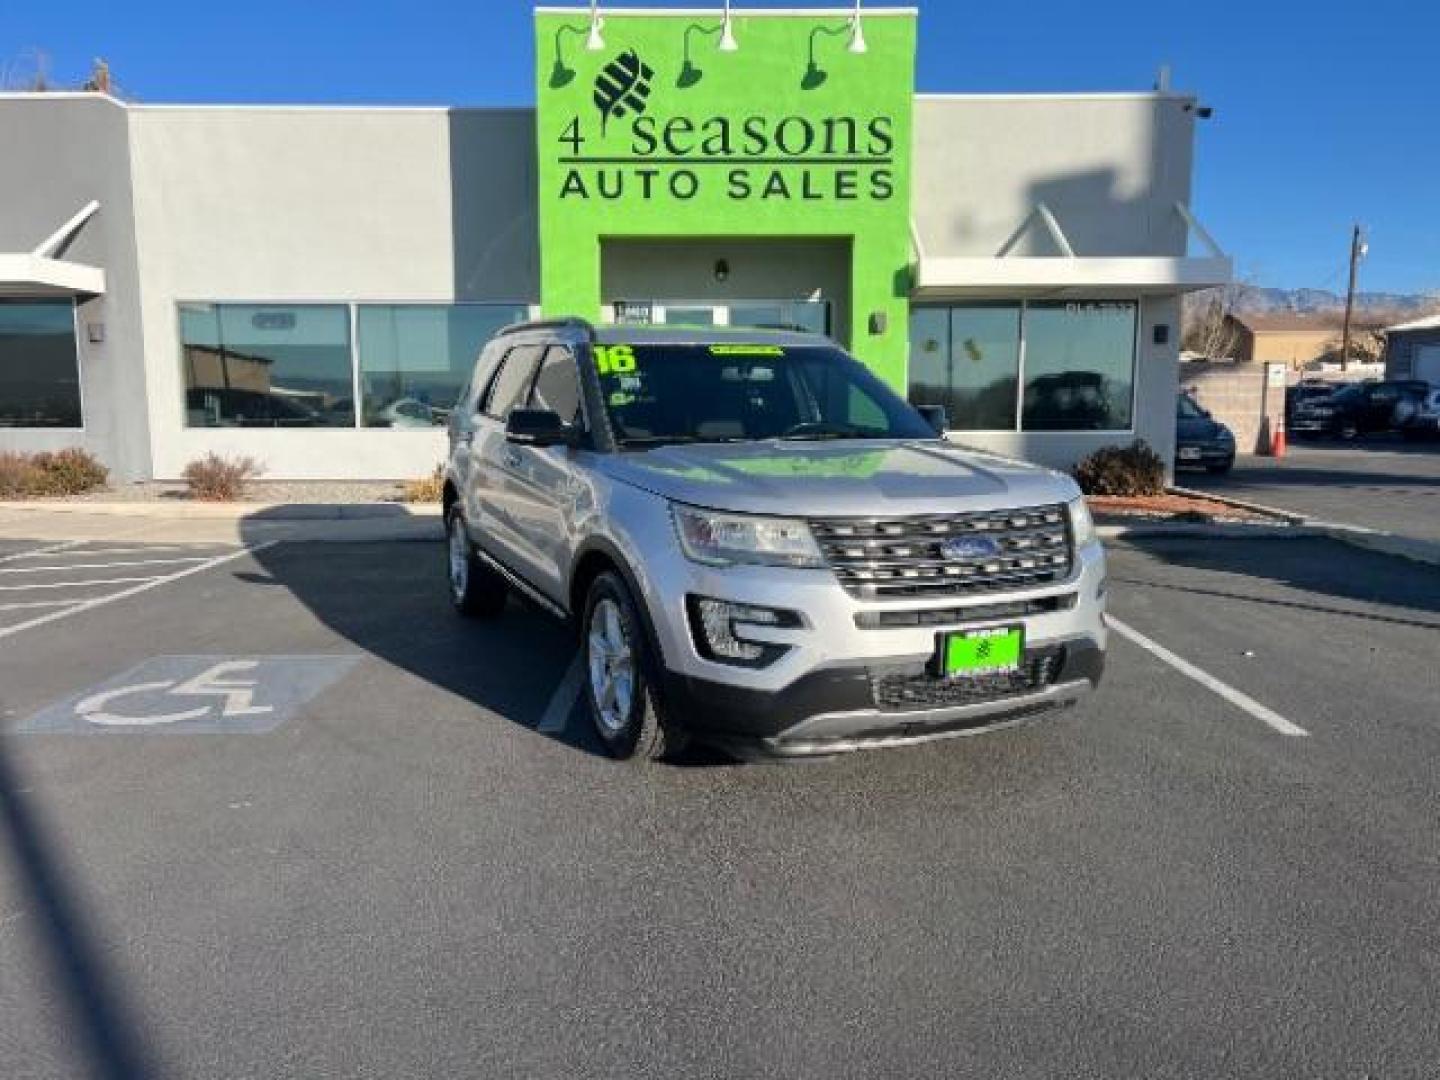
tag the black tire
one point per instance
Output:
(475, 589)
(640, 731)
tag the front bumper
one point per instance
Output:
(854, 707)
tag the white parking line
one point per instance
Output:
(557, 713)
(48, 549)
(1237, 698)
(100, 565)
(77, 584)
(145, 584)
(38, 603)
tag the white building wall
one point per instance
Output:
(323, 205)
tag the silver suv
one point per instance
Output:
(763, 546)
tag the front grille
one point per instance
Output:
(906, 689)
(902, 557)
(958, 616)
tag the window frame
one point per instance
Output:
(562, 347)
(1024, 303)
(79, 366)
(353, 321)
(482, 403)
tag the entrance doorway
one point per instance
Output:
(798, 283)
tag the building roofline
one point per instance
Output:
(1058, 95)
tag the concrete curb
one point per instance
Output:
(1404, 547)
(233, 511)
(1290, 517)
(1227, 530)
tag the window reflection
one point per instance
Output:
(1079, 361)
(39, 368)
(967, 358)
(416, 358)
(271, 365)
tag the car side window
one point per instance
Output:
(512, 382)
(557, 385)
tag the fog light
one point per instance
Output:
(718, 629)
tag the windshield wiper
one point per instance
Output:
(676, 440)
(821, 431)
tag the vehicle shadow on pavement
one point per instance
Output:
(1312, 565)
(98, 1016)
(389, 598)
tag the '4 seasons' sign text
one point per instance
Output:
(626, 152)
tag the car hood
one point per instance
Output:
(844, 478)
(1197, 429)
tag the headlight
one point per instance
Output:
(723, 539)
(1082, 525)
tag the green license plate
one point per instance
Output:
(991, 651)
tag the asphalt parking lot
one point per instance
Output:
(1379, 482)
(363, 856)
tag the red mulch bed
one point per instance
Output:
(1168, 507)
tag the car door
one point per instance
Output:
(489, 508)
(1380, 402)
(541, 484)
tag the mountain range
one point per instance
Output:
(1255, 299)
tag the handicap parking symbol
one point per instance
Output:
(195, 695)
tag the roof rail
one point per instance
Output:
(568, 323)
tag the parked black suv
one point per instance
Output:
(1358, 409)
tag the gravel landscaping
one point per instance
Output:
(319, 492)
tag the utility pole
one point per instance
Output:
(1357, 252)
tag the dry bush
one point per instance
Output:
(1134, 470)
(50, 473)
(427, 489)
(220, 479)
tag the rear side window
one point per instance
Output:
(512, 381)
(557, 386)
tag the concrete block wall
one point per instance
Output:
(1236, 395)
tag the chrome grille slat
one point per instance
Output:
(879, 558)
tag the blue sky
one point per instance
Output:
(1324, 114)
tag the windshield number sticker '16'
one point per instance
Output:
(614, 359)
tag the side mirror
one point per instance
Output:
(935, 416)
(539, 427)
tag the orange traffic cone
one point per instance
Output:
(1277, 441)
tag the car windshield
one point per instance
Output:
(734, 392)
(1188, 410)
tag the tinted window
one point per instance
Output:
(715, 393)
(1188, 410)
(967, 358)
(267, 365)
(512, 381)
(39, 370)
(414, 358)
(557, 385)
(1079, 365)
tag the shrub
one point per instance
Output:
(220, 479)
(1122, 470)
(428, 489)
(63, 472)
(71, 471)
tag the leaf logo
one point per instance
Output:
(623, 86)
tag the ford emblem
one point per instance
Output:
(970, 547)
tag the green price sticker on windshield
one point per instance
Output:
(746, 350)
(614, 359)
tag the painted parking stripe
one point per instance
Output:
(1237, 698)
(48, 549)
(557, 713)
(37, 604)
(79, 584)
(74, 548)
(144, 585)
(100, 565)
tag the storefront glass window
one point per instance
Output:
(267, 365)
(1079, 365)
(415, 358)
(1076, 360)
(39, 368)
(967, 359)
